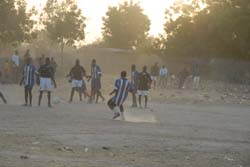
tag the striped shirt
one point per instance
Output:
(29, 75)
(122, 87)
(96, 72)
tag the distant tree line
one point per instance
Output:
(208, 28)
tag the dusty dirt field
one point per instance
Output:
(181, 128)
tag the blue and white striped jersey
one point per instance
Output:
(29, 75)
(122, 87)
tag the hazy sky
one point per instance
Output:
(94, 10)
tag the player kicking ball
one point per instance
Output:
(122, 87)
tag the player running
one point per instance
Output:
(28, 79)
(46, 77)
(122, 87)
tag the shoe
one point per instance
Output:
(116, 115)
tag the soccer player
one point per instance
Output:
(28, 80)
(46, 77)
(96, 75)
(144, 82)
(134, 82)
(122, 87)
(76, 76)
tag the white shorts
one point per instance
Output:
(76, 83)
(142, 92)
(45, 84)
(154, 78)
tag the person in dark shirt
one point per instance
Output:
(155, 69)
(134, 84)
(46, 77)
(144, 82)
(76, 76)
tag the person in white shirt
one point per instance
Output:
(15, 66)
(163, 77)
(15, 59)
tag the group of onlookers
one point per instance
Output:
(161, 77)
(12, 68)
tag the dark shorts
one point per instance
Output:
(28, 86)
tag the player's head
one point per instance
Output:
(133, 67)
(123, 74)
(28, 61)
(144, 69)
(93, 62)
(77, 62)
(47, 60)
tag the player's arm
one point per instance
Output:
(113, 92)
(117, 84)
(54, 81)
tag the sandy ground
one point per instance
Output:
(181, 128)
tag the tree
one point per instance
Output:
(64, 23)
(16, 24)
(125, 26)
(209, 28)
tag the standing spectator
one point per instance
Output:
(46, 77)
(163, 77)
(182, 77)
(134, 84)
(196, 75)
(144, 82)
(28, 80)
(154, 74)
(15, 66)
